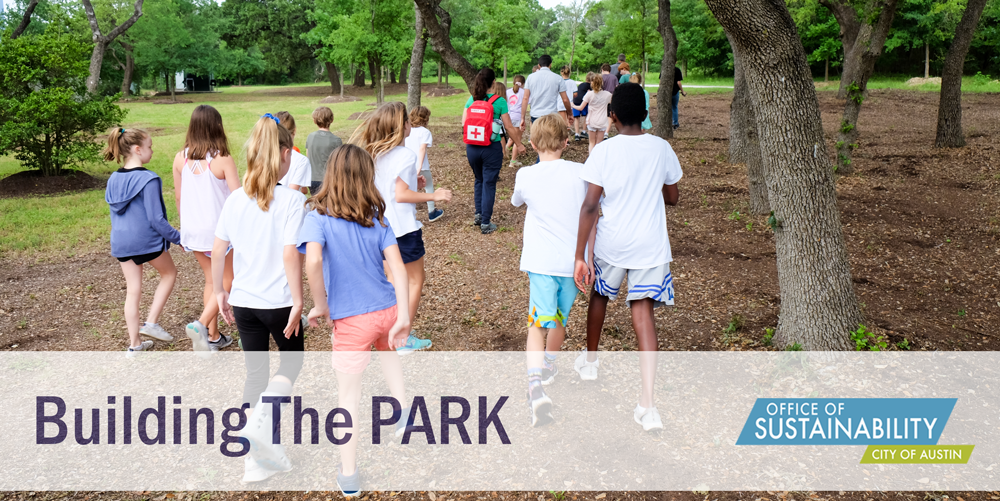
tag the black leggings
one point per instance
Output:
(256, 328)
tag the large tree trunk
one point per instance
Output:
(101, 42)
(25, 20)
(172, 83)
(373, 70)
(949, 127)
(847, 18)
(416, 63)
(867, 50)
(744, 142)
(392, 75)
(664, 110)
(128, 71)
(334, 76)
(818, 304)
(437, 22)
(359, 77)
(927, 60)
(403, 70)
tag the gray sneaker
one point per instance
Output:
(488, 228)
(199, 335)
(350, 485)
(155, 331)
(146, 345)
(220, 343)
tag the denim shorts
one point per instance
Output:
(411, 246)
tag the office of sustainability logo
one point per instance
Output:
(895, 430)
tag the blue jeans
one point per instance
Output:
(486, 162)
(673, 103)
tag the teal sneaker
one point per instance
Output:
(413, 343)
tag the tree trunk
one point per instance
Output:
(664, 110)
(927, 60)
(373, 69)
(403, 71)
(392, 75)
(439, 73)
(25, 19)
(341, 85)
(101, 42)
(505, 70)
(949, 127)
(826, 71)
(416, 63)
(172, 83)
(744, 144)
(847, 18)
(818, 304)
(334, 76)
(359, 77)
(437, 22)
(447, 71)
(868, 48)
(129, 70)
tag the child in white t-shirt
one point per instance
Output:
(636, 174)
(419, 140)
(299, 176)
(261, 221)
(382, 135)
(597, 116)
(554, 193)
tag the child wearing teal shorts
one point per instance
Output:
(554, 193)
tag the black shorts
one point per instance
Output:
(411, 246)
(142, 258)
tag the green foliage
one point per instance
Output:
(275, 27)
(865, 340)
(179, 35)
(504, 30)
(359, 31)
(794, 347)
(904, 344)
(734, 216)
(768, 338)
(47, 119)
(845, 128)
(735, 324)
(701, 41)
(772, 222)
(818, 30)
(632, 25)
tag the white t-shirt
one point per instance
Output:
(597, 113)
(554, 193)
(418, 136)
(299, 172)
(259, 239)
(514, 105)
(570, 86)
(545, 87)
(632, 232)
(398, 162)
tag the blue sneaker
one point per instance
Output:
(413, 343)
(435, 215)
(350, 485)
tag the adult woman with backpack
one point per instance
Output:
(484, 117)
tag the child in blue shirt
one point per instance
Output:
(345, 239)
(140, 232)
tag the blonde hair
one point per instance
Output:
(348, 190)
(263, 153)
(120, 141)
(624, 67)
(419, 116)
(635, 78)
(287, 120)
(322, 117)
(499, 89)
(549, 133)
(596, 83)
(383, 130)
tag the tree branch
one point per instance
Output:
(128, 23)
(25, 20)
(95, 28)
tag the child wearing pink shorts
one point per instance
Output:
(345, 239)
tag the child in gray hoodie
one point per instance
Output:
(140, 232)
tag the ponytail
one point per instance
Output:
(120, 141)
(518, 83)
(263, 152)
(481, 86)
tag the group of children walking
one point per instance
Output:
(364, 252)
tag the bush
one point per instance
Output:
(47, 119)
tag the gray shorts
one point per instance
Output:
(656, 283)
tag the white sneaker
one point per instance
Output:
(146, 345)
(259, 433)
(155, 331)
(254, 472)
(198, 334)
(587, 370)
(648, 418)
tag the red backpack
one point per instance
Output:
(478, 127)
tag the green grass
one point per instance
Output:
(79, 222)
(970, 85)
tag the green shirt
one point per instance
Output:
(499, 108)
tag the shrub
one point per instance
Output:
(47, 119)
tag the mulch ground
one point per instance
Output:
(31, 183)
(921, 225)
